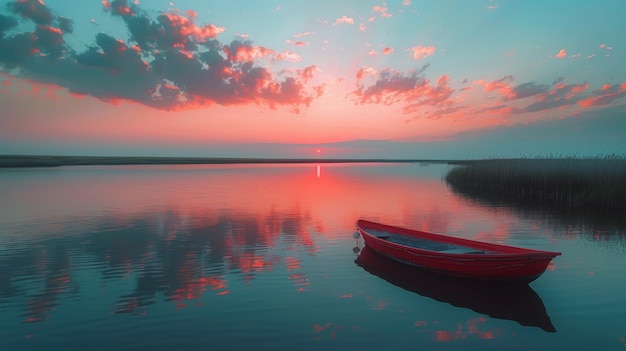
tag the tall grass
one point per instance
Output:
(570, 182)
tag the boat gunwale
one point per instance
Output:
(498, 251)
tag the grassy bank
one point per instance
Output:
(598, 182)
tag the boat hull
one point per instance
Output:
(503, 263)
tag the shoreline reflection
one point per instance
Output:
(601, 224)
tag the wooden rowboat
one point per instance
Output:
(455, 256)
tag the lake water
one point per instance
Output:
(262, 257)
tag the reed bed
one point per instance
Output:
(571, 182)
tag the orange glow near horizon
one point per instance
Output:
(333, 120)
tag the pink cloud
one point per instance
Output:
(302, 34)
(605, 95)
(372, 53)
(367, 70)
(344, 20)
(561, 54)
(287, 56)
(186, 27)
(51, 29)
(420, 52)
(577, 89)
(362, 27)
(307, 73)
(502, 110)
(297, 43)
(387, 51)
(412, 89)
(382, 10)
(501, 86)
(406, 2)
(246, 53)
(542, 96)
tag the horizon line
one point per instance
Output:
(8, 161)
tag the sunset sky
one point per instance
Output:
(397, 78)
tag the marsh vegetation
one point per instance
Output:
(567, 182)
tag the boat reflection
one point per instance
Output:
(511, 302)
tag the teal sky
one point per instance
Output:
(424, 79)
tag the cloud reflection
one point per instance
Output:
(170, 262)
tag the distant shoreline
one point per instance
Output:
(22, 161)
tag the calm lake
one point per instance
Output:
(262, 257)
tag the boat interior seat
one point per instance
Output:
(463, 250)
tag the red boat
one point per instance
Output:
(455, 256)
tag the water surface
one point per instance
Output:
(263, 257)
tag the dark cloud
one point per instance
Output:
(113, 55)
(34, 10)
(121, 8)
(6, 23)
(50, 40)
(44, 40)
(168, 63)
(529, 89)
(17, 49)
(390, 87)
(143, 32)
(168, 31)
(559, 95)
(65, 25)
